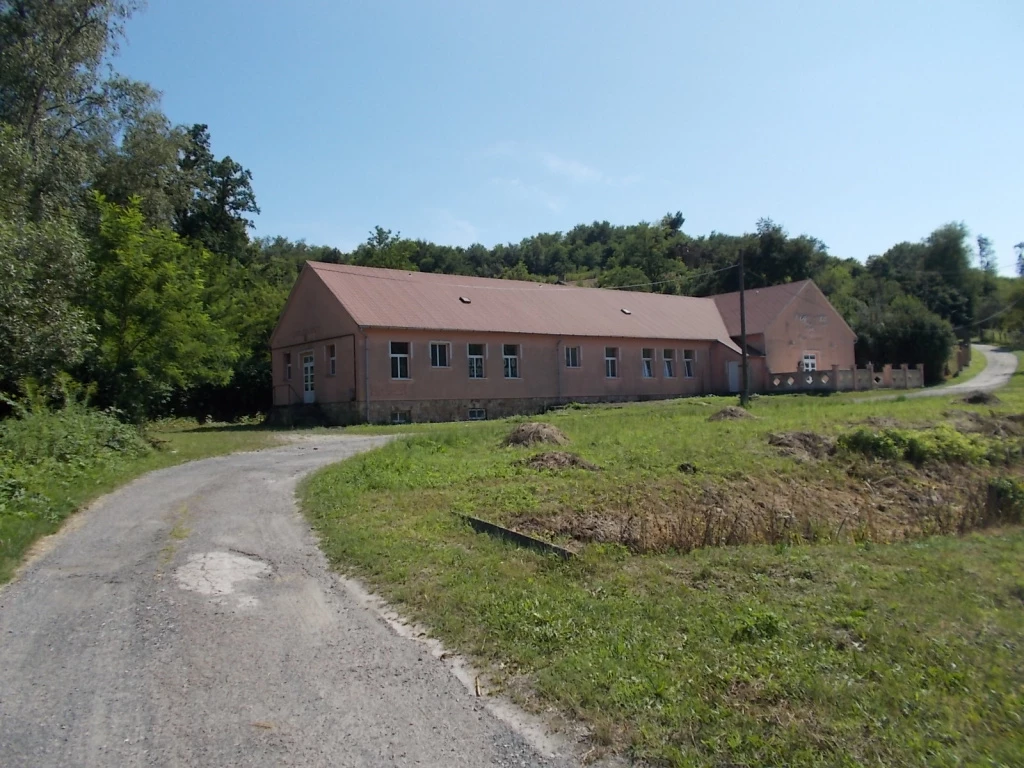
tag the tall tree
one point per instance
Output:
(386, 249)
(154, 328)
(987, 256)
(217, 215)
(57, 94)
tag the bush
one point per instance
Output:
(907, 333)
(940, 444)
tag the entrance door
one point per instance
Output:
(308, 384)
(732, 370)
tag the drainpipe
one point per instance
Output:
(558, 369)
(366, 373)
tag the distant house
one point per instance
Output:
(790, 328)
(366, 344)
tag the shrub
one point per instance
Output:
(940, 444)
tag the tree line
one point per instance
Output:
(127, 259)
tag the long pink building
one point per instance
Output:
(365, 344)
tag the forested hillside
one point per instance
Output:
(127, 259)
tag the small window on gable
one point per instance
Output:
(810, 361)
(399, 360)
(572, 357)
(332, 360)
(510, 358)
(477, 414)
(440, 354)
(611, 362)
(287, 366)
(689, 358)
(647, 363)
(669, 356)
(476, 354)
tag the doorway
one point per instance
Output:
(308, 378)
(732, 370)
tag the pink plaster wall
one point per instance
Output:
(809, 324)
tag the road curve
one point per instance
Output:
(999, 367)
(189, 619)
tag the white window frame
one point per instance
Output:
(401, 417)
(331, 353)
(471, 358)
(447, 352)
(647, 362)
(477, 414)
(668, 358)
(393, 356)
(689, 363)
(508, 362)
(611, 363)
(577, 356)
(813, 356)
(287, 366)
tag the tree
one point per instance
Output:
(386, 250)
(987, 256)
(1018, 249)
(907, 332)
(217, 215)
(154, 330)
(58, 95)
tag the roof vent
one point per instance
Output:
(465, 300)
(626, 311)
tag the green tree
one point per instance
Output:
(386, 250)
(59, 96)
(153, 328)
(907, 332)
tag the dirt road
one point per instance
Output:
(189, 619)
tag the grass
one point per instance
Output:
(37, 496)
(840, 652)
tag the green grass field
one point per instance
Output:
(821, 648)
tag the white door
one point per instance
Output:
(308, 383)
(732, 370)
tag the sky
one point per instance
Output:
(861, 123)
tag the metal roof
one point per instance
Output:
(385, 298)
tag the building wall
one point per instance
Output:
(305, 327)
(809, 324)
(544, 378)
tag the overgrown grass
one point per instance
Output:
(841, 653)
(52, 462)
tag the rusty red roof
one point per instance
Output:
(385, 298)
(762, 305)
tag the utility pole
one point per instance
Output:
(744, 388)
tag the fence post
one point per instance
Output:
(906, 381)
(835, 377)
(871, 375)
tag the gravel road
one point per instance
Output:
(189, 619)
(999, 367)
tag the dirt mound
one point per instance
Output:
(971, 422)
(560, 460)
(803, 445)
(533, 432)
(980, 398)
(881, 422)
(731, 413)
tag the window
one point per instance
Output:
(572, 357)
(810, 362)
(399, 360)
(611, 362)
(287, 366)
(510, 354)
(669, 356)
(647, 361)
(440, 354)
(477, 414)
(401, 417)
(689, 356)
(476, 353)
(332, 360)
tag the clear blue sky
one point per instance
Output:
(861, 123)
